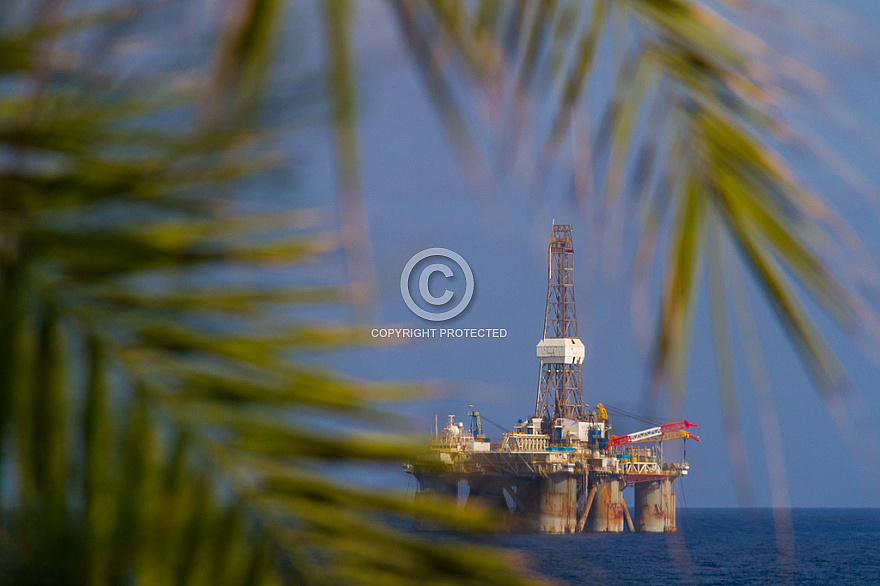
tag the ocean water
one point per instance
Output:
(717, 546)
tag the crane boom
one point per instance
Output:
(672, 435)
(651, 434)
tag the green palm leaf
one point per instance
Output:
(688, 138)
(160, 420)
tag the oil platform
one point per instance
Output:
(560, 470)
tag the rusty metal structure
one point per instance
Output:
(560, 384)
(560, 470)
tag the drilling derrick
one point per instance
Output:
(560, 385)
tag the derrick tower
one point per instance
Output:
(560, 386)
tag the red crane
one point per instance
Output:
(647, 434)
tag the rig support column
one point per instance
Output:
(655, 506)
(487, 491)
(606, 514)
(557, 504)
(587, 506)
(629, 521)
(434, 488)
(669, 496)
(525, 493)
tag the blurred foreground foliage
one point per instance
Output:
(706, 146)
(160, 421)
(667, 124)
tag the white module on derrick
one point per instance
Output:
(561, 351)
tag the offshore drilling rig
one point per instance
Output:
(560, 470)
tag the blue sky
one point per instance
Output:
(416, 198)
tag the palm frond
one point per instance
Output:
(693, 119)
(160, 420)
